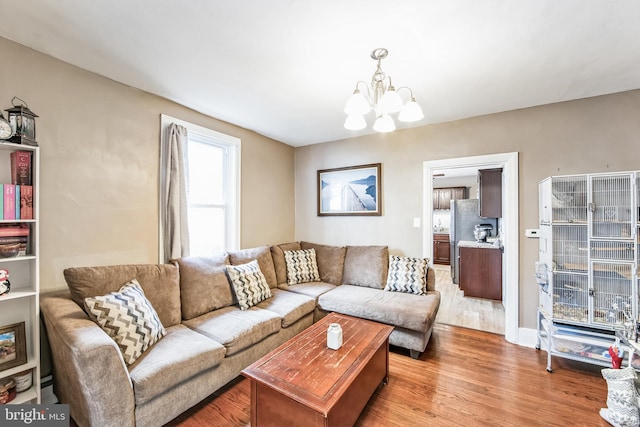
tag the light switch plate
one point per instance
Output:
(532, 232)
(416, 222)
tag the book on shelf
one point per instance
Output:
(9, 195)
(14, 230)
(17, 198)
(21, 167)
(26, 202)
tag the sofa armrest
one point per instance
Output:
(88, 369)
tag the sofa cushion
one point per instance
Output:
(366, 266)
(263, 255)
(289, 305)
(407, 274)
(249, 284)
(279, 263)
(204, 285)
(301, 266)
(160, 283)
(415, 312)
(236, 329)
(330, 261)
(311, 289)
(180, 355)
(431, 279)
(128, 318)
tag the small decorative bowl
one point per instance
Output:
(9, 250)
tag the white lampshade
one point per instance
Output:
(390, 101)
(411, 112)
(355, 122)
(384, 123)
(357, 104)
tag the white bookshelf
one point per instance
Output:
(22, 303)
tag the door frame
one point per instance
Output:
(510, 224)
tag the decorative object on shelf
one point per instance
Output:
(13, 347)
(383, 98)
(334, 336)
(23, 122)
(7, 390)
(354, 190)
(6, 131)
(9, 250)
(5, 286)
(24, 380)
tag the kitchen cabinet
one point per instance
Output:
(441, 249)
(442, 196)
(490, 192)
(481, 272)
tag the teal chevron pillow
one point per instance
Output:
(302, 266)
(407, 275)
(249, 283)
(128, 318)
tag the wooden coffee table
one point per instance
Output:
(304, 383)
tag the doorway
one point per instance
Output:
(509, 163)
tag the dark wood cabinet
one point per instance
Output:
(443, 196)
(481, 272)
(490, 192)
(441, 249)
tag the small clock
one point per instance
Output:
(6, 130)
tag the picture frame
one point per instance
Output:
(352, 190)
(13, 346)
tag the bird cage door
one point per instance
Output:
(611, 206)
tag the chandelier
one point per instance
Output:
(383, 98)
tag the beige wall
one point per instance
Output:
(99, 166)
(590, 135)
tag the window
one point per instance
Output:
(213, 189)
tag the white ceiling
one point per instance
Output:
(284, 68)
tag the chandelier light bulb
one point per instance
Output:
(355, 122)
(357, 104)
(391, 101)
(411, 112)
(384, 123)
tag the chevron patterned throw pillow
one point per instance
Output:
(302, 266)
(407, 275)
(128, 318)
(249, 283)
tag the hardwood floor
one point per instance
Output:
(458, 310)
(464, 378)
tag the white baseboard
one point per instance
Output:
(47, 397)
(527, 337)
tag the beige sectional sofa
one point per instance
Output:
(209, 339)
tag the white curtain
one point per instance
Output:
(176, 225)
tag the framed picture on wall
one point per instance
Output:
(13, 346)
(353, 190)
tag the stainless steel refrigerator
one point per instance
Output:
(464, 217)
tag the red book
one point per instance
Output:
(14, 230)
(26, 202)
(9, 201)
(21, 167)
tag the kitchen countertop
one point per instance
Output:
(474, 244)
